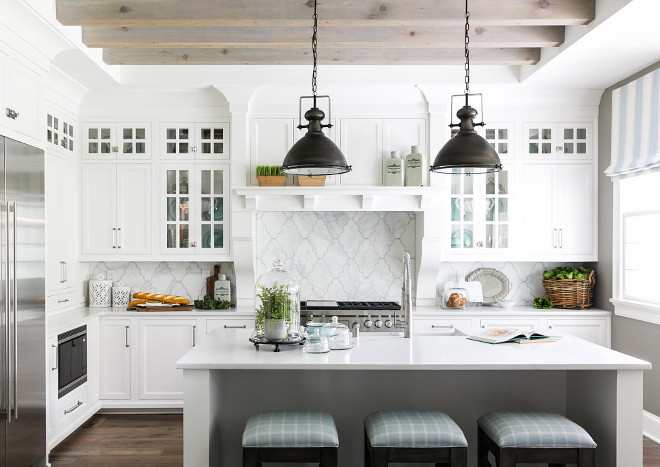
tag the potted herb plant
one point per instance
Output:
(275, 314)
(270, 175)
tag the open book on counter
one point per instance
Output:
(501, 335)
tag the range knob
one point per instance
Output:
(368, 323)
(378, 323)
(310, 320)
(388, 323)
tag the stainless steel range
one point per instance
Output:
(366, 316)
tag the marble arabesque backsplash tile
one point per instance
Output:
(338, 255)
(187, 279)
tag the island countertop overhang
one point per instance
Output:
(235, 352)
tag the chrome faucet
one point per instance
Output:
(406, 297)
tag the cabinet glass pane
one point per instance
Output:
(140, 148)
(455, 210)
(533, 148)
(140, 133)
(206, 182)
(490, 209)
(55, 123)
(70, 145)
(183, 236)
(581, 133)
(49, 136)
(546, 148)
(127, 133)
(171, 182)
(468, 185)
(218, 206)
(217, 182)
(568, 148)
(218, 237)
(218, 148)
(93, 133)
(171, 236)
(128, 148)
(503, 210)
(206, 133)
(171, 133)
(533, 133)
(206, 235)
(206, 148)
(581, 148)
(105, 148)
(70, 130)
(93, 148)
(489, 236)
(183, 182)
(49, 120)
(455, 184)
(171, 209)
(206, 209)
(503, 236)
(171, 148)
(218, 133)
(183, 209)
(546, 133)
(105, 133)
(568, 133)
(183, 133)
(183, 148)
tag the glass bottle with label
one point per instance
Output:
(394, 170)
(221, 288)
(414, 170)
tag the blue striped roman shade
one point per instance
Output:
(636, 127)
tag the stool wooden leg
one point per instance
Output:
(251, 457)
(458, 457)
(556, 465)
(587, 457)
(367, 454)
(507, 457)
(328, 457)
(482, 449)
(379, 457)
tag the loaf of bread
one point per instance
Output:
(161, 298)
(137, 302)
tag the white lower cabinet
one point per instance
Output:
(162, 343)
(441, 326)
(589, 329)
(115, 359)
(506, 322)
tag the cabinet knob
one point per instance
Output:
(480, 244)
(115, 148)
(193, 149)
(11, 113)
(193, 244)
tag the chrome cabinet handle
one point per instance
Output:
(119, 239)
(11, 113)
(66, 272)
(57, 363)
(554, 238)
(194, 332)
(438, 326)
(126, 330)
(68, 411)
(63, 301)
(228, 326)
(561, 238)
(62, 279)
(114, 237)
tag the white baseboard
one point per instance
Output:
(651, 426)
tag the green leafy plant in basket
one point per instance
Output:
(269, 170)
(275, 309)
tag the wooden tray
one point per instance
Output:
(160, 308)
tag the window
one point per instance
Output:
(638, 246)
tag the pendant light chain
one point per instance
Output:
(314, 53)
(467, 51)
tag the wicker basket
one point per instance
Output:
(573, 294)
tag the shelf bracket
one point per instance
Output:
(251, 202)
(309, 201)
(367, 202)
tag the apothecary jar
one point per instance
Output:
(277, 306)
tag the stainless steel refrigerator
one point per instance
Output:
(22, 307)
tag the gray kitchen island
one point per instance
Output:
(226, 380)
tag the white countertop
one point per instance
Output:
(486, 310)
(375, 352)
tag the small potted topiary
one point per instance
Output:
(275, 312)
(270, 175)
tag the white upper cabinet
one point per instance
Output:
(199, 141)
(116, 141)
(20, 97)
(501, 138)
(116, 209)
(61, 134)
(194, 209)
(480, 214)
(552, 141)
(558, 209)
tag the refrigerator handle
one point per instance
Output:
(15, 284)
(7, 362)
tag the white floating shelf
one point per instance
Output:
(339, 198)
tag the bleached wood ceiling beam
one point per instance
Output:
(327, 56)
(343, 12)
(329, 37)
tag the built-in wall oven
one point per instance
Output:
(71, 360)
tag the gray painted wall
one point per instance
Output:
(633, 337)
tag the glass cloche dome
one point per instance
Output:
(277, 306)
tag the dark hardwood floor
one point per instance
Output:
(157, 440)
(115, 440)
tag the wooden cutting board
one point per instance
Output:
(160, 308)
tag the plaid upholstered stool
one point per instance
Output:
(543, 437)
(290, 436)
(417, 436)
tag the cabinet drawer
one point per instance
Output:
(589, 329)
(228, 324)
(71, 407)
(446, 326)
(61, 301)
(519, 323)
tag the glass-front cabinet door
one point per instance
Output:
(213, 200)
(177, 211)
(195, 209)
(480, 213)
(195, 141)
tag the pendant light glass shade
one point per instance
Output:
(315, 153)
(467, 150)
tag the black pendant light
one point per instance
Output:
(466, 150)
(314, 153)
